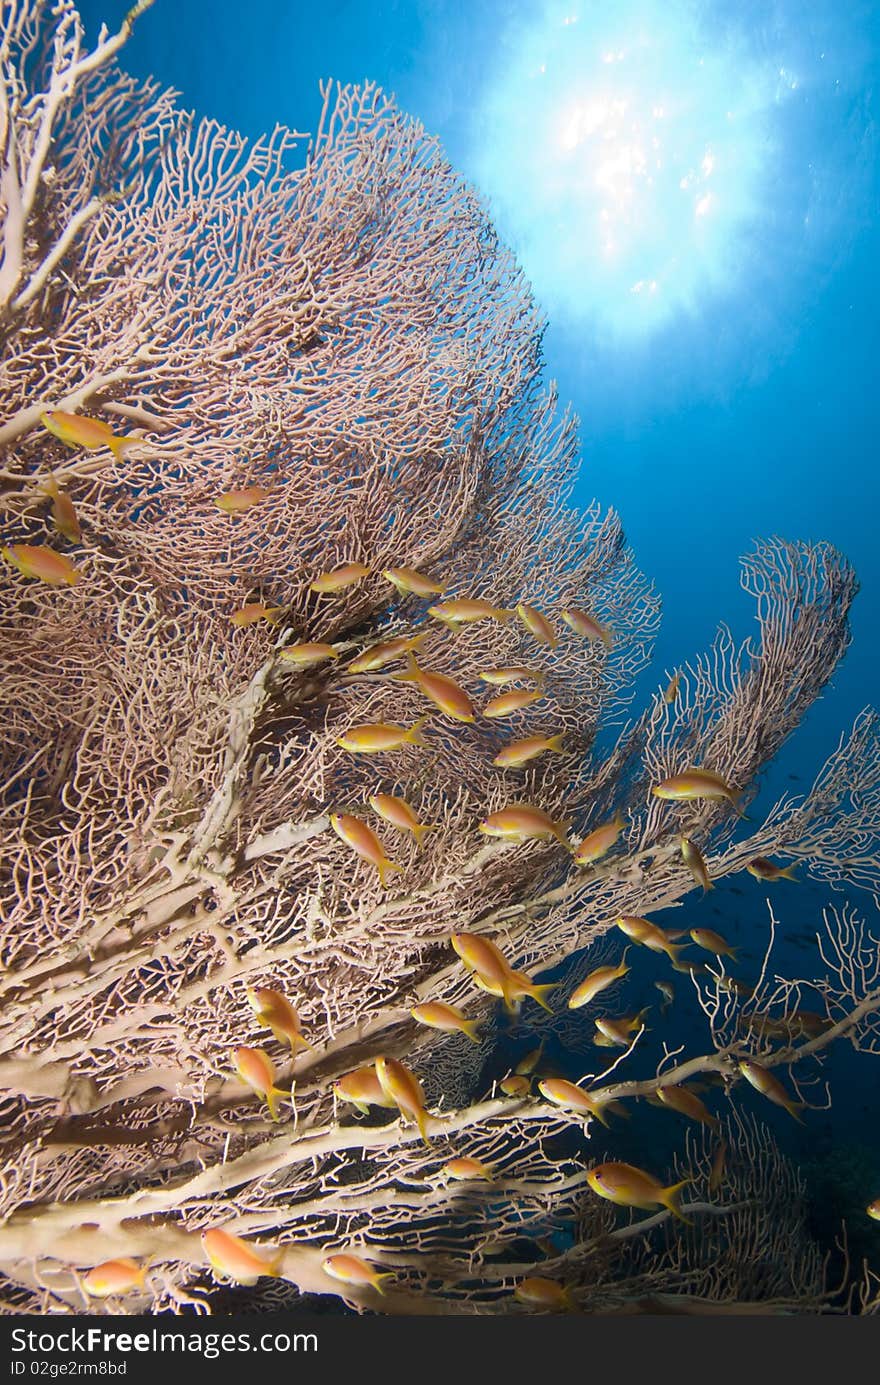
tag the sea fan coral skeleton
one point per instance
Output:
(331, 317)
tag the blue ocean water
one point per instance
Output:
(742, 400)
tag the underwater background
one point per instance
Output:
(691, 190)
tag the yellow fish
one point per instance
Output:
(873, 1209)
(464, 1168)
(520, 752)
(515, 1084)
(409, 582)
(374, 738)
(236, 1258)
(619, 1030)
(254, 611)
(695, 784)
(672, 687)
(466, 611)
(762, 869)
(687, 1104)
(398, 812)
(236, 502)
(719, 1167)
(351, 1269)
(516, 673)
(529, 1061)
(114, 1277)
(256, 1069)
(521, 822)
(507, 703)
(275, 1011)
(713, 942)
(597, 981)
(34, 560)
(648, 934)
(63, 514)
(364, 841)
(586, 625)
(599, 841)
(537, 625)
(436, 1014)
(307, 655)
(363, 1089)
(571, 1097)
(339, 577)
(810, 1025)
(693, 859)
(443, 692)
(492, 970)
(378, 655)
(769, 1086)
(78, 430)
(632, 1187)
(406, 1090)
(538, 1292)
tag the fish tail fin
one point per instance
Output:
(297, 1041)
(622, 967)
(735, 804)
(118, 445)
(607, 637)
(385, 865)
(377, 1279)
(414, 734)
(788, 874)
(412, 670)
(273, 1096)
(556, 742)
(421, 828)
(539, 992)
(793, 1107)
(672, 953)
(708, 885)
(421, 1119)
(671, 1199)
(600, 1117)
(471, 1028)
(732, 952)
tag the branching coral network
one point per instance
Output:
(326, 329)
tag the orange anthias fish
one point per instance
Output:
(399, 813)
(617, 1031)
(693, 859)
(571, 1097)
(873, 1209)
(364, 841)
(78, 430)
(363, 1089)
(378, 655)
(406, 1090)
(520, 752)
(254, 611)
(114, 1277)
(256, 1069)
(515, 1084)
(410, 582)
(436, 1014)
(493, 972)
(236, 502)
(649, 935)
(769, 1086)
(466, 611)
(695, 784)
(539, 1292)
(599, 841)
(374, 738)
(763, 869)
(516, 673)
(596, 982)
(339, 577)
(236, 1258)
(537, 625)
(34, 560)
(632, 1187)
(351, 1269)
(587, 626)
(507, 703)
(521, 822)
(464, 1168)
(713, 942)
(275, 1011)
(687, 1104)
(672, 687)
(444, 692)
(719, 1166)
(63, 514)
(307, 655)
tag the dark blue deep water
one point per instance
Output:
(718, 331)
